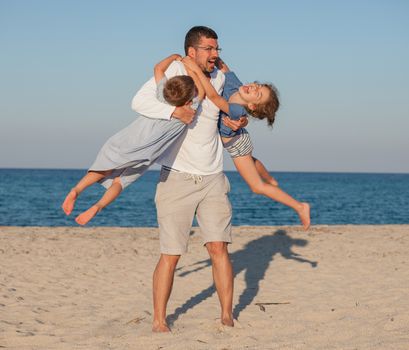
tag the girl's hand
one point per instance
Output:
(221, 65)
(190, 64)
(189, 71)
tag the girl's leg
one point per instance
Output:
(247, 169)
(109, 196)
(263, 172)
(89, 179)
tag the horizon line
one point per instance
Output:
(235, 171)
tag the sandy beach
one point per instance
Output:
(334, 287)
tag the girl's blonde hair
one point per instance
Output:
(268, 109)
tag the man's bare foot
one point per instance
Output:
(69, 202)
(227, 321)
(160, 327)
(87, 215)
(304, 214)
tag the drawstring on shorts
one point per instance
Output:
(195, 178)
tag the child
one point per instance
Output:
(130, 152)
(260, 101)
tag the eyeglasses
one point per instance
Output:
(209, 48)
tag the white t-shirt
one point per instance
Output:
(199, 150)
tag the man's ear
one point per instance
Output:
(191, 52)
(251, 106)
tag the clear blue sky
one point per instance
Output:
(69, 69)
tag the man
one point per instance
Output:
(192, 181)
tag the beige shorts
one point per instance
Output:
(179, 197)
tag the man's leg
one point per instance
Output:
(162, 287)
(223, 279)
(214, 219)
(175, 204)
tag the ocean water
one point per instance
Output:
(32, 197)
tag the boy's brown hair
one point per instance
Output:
(179, 90)
(268, 109)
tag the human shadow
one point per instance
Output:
(254, 259)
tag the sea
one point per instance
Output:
(33, 197)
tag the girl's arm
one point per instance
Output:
(200, 89)
(161, 67)
(209, 89)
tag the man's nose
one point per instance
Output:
(215, 52)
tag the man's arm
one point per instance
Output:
(146, 103)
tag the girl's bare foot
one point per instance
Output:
(87, 215)
(160, 327)
(69, 202)
(304, 214)
(273, 182)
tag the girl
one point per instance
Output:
(261, 102)
(130, 152)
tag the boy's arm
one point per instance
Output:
(161, 67)
(208, 87)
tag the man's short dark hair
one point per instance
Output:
(193, 36)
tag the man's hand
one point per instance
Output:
(235, 124)
(185, 114)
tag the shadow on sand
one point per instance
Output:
(254, 259)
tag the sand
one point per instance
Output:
(335, 287)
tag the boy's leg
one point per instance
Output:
(247, 169)
(109, 196)
(263, 172)
(162, 287)
(89, 179)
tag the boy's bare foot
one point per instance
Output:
(87, 215)
(160, 327)
(69, 202)
(304, 214)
